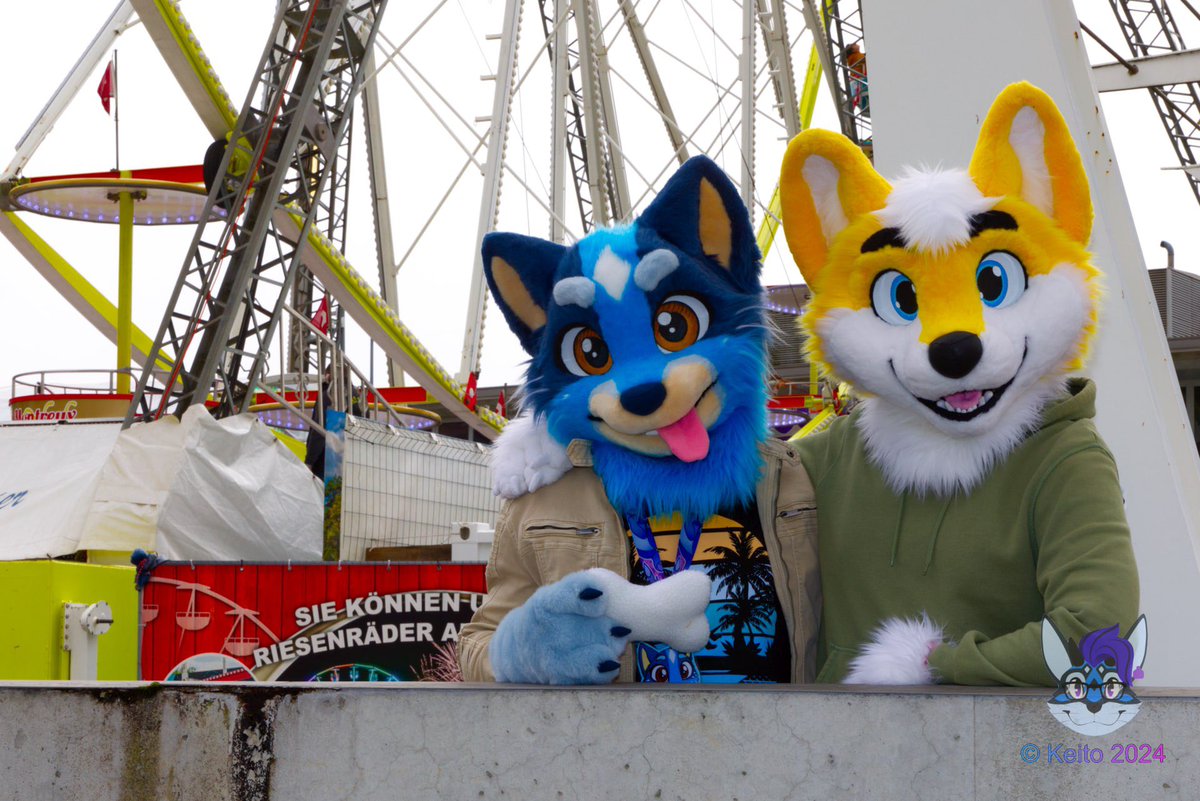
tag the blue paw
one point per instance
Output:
(561, 635)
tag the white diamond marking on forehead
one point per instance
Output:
(612, 273)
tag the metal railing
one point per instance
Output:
(48, 382)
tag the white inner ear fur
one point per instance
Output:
(654, 267)
(822, 178)
(1054, 651)
(1028, 139)
(578, 291)
(933, 208)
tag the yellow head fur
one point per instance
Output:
(1025, 166)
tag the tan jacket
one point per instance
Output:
(570, 525)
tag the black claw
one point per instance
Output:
(620, 631)
(607, 666)
(590, 594)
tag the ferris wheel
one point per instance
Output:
(548, 118)
(592, 105)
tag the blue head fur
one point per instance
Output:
(649, 341)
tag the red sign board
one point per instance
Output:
(306, 622)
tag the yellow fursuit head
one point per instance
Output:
(955, 301)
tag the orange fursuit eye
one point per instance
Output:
(679, 322)
(591, 352)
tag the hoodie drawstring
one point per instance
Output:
(937, 529)
(896, 533)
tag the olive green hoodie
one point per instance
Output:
(1043, 533)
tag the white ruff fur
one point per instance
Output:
(933, 208)
(898, 653)
(914, 456)
(526, 458)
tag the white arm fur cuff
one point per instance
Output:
(526, 458)
(898, 653)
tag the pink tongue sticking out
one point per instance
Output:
(964, 401)
(687, 438)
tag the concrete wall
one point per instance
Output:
(254, 742)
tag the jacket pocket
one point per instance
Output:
(560, 548)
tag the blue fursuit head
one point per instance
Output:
(648, 341)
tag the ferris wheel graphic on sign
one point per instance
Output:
(237, 642)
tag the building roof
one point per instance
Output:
(1183, 322)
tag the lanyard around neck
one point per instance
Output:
(647, 547)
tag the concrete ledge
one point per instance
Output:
(251, 742)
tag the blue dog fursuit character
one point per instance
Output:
(647, 341)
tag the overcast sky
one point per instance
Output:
(158, 128)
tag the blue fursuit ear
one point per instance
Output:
(699, 212)
(520, 272)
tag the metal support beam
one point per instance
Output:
(748, 98)
(102, 42)
(173, 37)
(558, 120)
(68, 282)
(381, 207)
(618, 182)
(125, 292)
(1158, 70)
(285, 150)
(593, 115)
(773, 20)
(506, 71)
(641, 45)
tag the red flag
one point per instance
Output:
(320, 320)
(501, 407)
(107, 88)
(469, 396)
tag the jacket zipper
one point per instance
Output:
(587, 531)
(786, 513)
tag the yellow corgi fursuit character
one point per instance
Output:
(969, 494)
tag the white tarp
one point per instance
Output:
(192, 489)
(240, 494)
(48, 476)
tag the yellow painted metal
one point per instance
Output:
(816, 424)
(383, 315)
(189, 46)
(125, 292)
(296, 446)
(31, 630)
(808, 102)
(70, 283)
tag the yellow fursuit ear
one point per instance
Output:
(1025, 150)
(825, 183)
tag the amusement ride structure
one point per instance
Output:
(634, 89)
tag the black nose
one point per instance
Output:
(644, 398)
(955, 354)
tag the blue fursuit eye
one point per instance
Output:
(1000, 278)
(894, 298)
